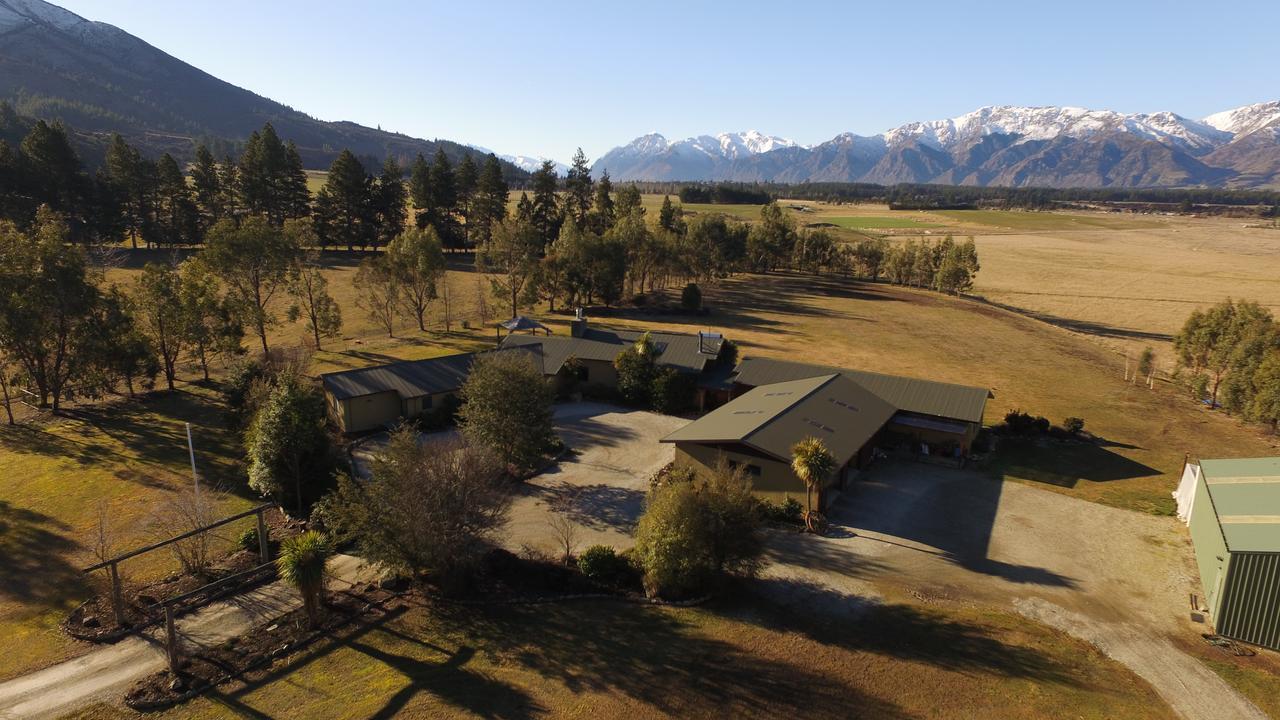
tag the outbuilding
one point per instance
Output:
(1232, 508)
(757, 430)
(936, 418)
(377, 397)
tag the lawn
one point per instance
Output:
(130, 457)
(731, 659)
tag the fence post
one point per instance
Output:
(117, 604)
(171, 639)
(264, 545)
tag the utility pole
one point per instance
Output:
(195, 477)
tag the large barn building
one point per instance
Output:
(775, 404)
(1232, 508)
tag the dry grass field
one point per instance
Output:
(605, 660)
(1105, 283)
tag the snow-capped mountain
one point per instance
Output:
(528, 163)
(1244, 120)
(695, 156)
(1001, 145)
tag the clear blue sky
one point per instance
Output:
(541, 78)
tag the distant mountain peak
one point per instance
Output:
(994, 144)
(1247, 119)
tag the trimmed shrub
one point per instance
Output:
(672, 391)
(691, 298)
(603, 565)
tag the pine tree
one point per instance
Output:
(667, 218)
(390, 202)
(444, 199)
(125, 168)
(489, 203)
(344, 206)
(544, 208)
(229, 184)
(207, 182)
(604, 215)
(466, 180)
(420, 192)
(264, 175)
(295, 198)
(177, 221)
(578, 187)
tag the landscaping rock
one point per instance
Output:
(91, 621)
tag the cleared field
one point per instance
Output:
(592, 660)
(1034, 221)
(863, 222)
(1028, 365)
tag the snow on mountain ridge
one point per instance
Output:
(1246, 119)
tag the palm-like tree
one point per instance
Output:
(301, 563)
(812, 462)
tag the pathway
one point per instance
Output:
(106, 673)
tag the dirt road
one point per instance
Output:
(107, 672)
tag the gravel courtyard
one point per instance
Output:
(601, 485)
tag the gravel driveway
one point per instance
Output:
(601, 486)
(1115, 578)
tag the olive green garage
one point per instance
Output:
(1232, 508)
(756, 432)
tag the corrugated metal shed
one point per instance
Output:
(1242, 499)
(925, 397)
(688, 353)
(772, 418)
(1246, 499)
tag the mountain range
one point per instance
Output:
(1000, 145)
(100, 79)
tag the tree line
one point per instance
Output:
(926, 196)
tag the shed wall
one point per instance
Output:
(1210, 547)
(372, 411)
(1251, 600)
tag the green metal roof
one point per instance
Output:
(772, 418)
(925, 397)
(688, 353)
(1245, 493)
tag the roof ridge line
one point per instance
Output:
(792, 404)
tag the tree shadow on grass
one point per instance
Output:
(33, 565)
(1066, 464)
(441, 674)
(899, 631)
(656, 657)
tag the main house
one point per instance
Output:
(587, 355)
(773, 404)
(377, 397)
(1232, 508)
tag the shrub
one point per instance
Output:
(672, 391)
(248, 540)
(691, 298)
(440, 417)
(1017, 422)
(301, 564)
(692, 533)
(602, 564)
(1073, 425)
(425, 509)
(790, 510)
